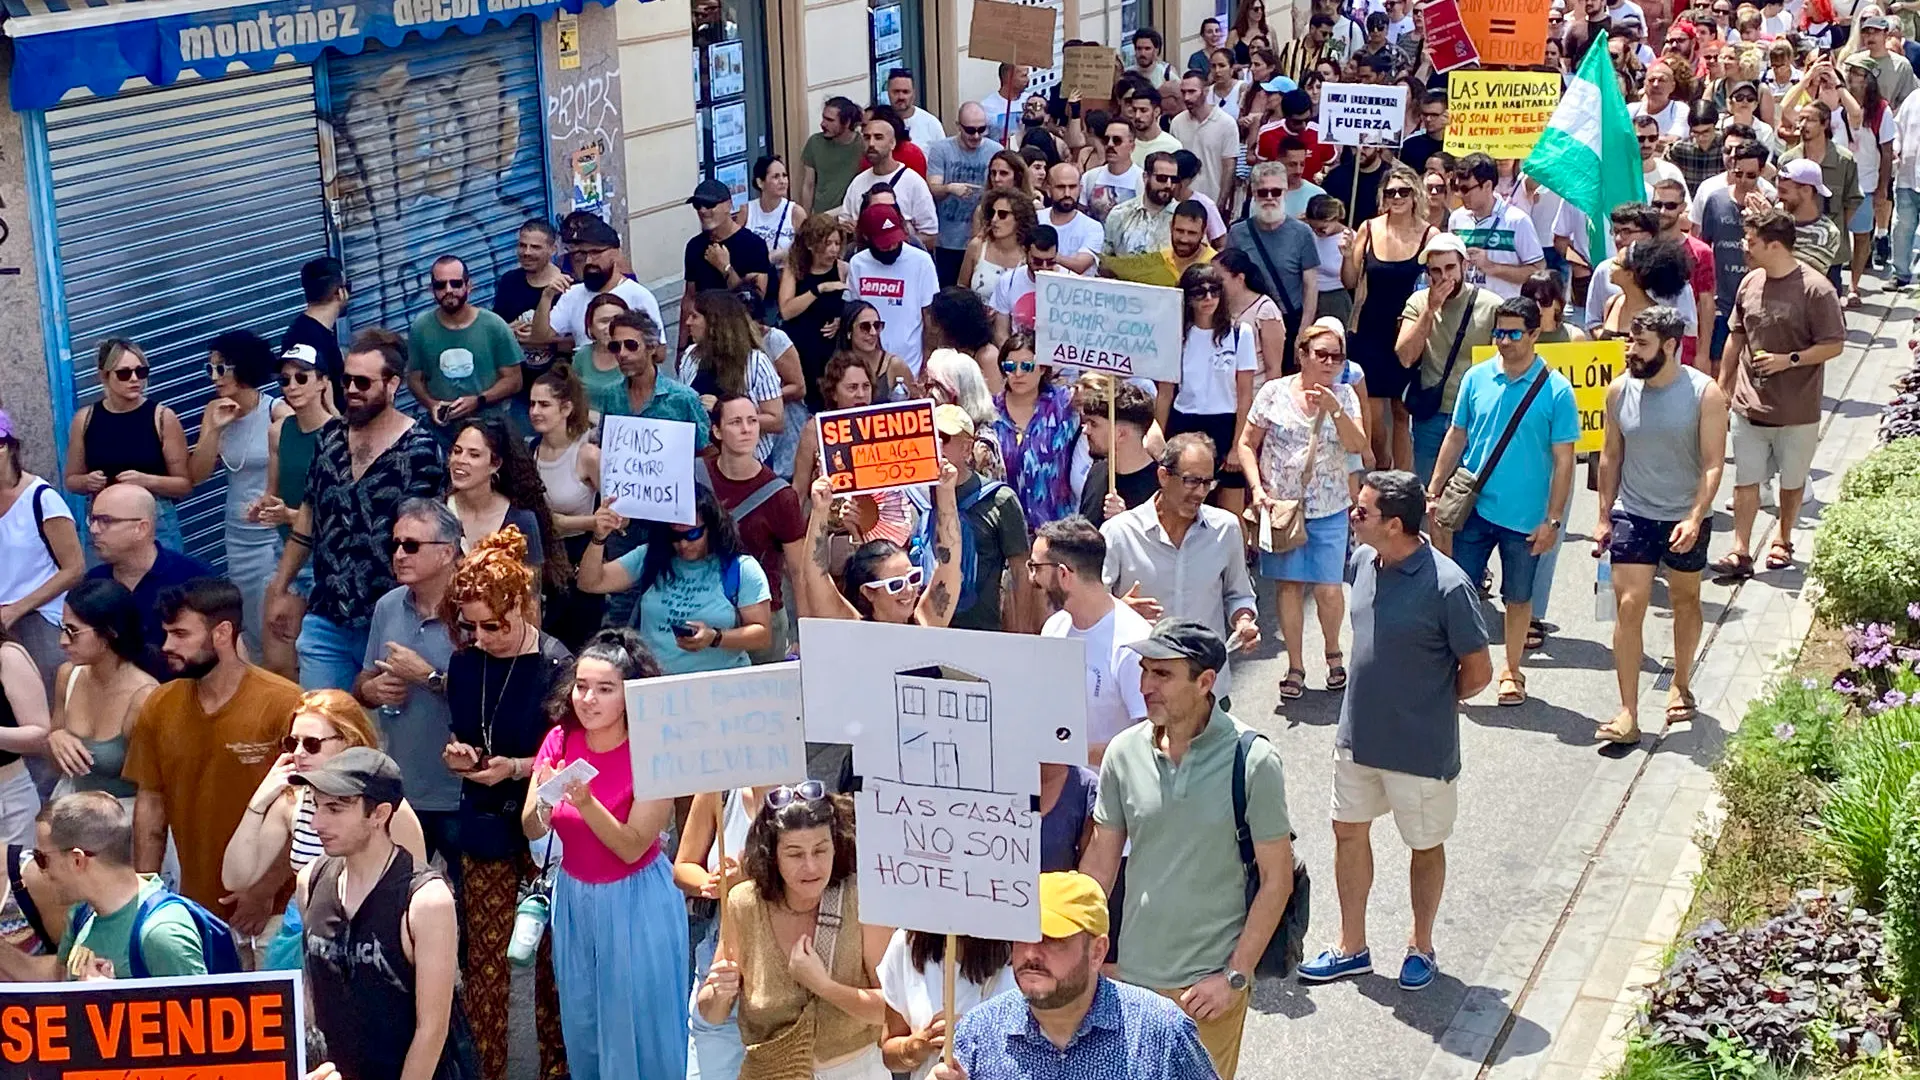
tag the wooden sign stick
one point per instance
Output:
(720, 838)
(949, 962)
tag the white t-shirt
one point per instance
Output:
(1672, 119)
(899, 291)
(1214, 141)
(1518, 249)
(919, 994)
(1003, 119)
(1114, 701)
(1864, 141)
(1208, 371)
(1696, 210)
(1103, 189)
(1327, 274)
(25, 564)
(1662, 170)
(1080, 234)
(910, 193)
(568, 316)
(924, 129)
(1012, 298)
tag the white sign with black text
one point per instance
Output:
(646, 468)
(1362, 114)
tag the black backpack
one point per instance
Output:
(1289, 942)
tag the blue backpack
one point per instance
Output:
(921, 547)
(217, 948)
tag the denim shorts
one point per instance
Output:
(1473, 546)
(1639, 541)
(1862, 219)
(1322, 560)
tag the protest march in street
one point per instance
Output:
(709, 655)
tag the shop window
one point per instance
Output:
(731, 107)
(1133, 14)
(894, 40)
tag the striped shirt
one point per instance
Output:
(306, 842)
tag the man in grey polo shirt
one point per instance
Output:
(1166, 787)
(404, 674)
(1419, 648)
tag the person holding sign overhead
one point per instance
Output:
(882, 583)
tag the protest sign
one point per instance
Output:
(879, 447)
(1087, 69)
(239, 1027)
(1499, 113)
(646, 468)
(1015, 33)
(716, 731)
(1104, 325)
(1448, 42)
(1361, 114)
(1590, 366)
(948, 861)
(1507, 31)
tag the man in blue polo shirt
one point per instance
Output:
(121, 528)
(1523, 499)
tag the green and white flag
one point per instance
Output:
(1588, 155)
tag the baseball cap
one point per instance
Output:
(581, 229)
(710, 193)
(1445, 242)
(882, 225)
(357, 770)
(1875, 22)
(1183, 639)
(1861, 60)
(952, 420)
(300, 353)
(1279, 84)
(1802, 171)
(1071, 903)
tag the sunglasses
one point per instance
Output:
(1116, 140)
(1360, 513)
(786, 795)
(1464, 186)
(894, 586)
(218, 370)
(626, 345)
(298, 378)
(309, 743)
(1645, 139)
(1269, 193)
(1398, 193)
(362, 383)
(1665, 205)
(981, 130)
(1024, 367)
(132, 374)
(69, 632)
(872, 326)
(688, 536)
(1001, 212)
(412, 547)
(1200, 292)
(440, 285)
(491, 626)
(1509, 335)
(41, 858)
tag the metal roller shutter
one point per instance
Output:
(182, 212)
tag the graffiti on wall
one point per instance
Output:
(583, 125)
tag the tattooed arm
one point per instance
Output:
(822, 599)
(943, 591)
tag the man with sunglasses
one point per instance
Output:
(1068, 558)
(1503, 251)
(462, 360)
(1720, 224)
(121, 527)
(1119, 180)
(1013, 303)
(1733, 138)
(957, 175)
(1144, 223)
(1285, 247)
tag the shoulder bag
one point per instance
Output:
(789, 1055)
(1286, 519)
(1423, 402)
(1289, 941)
(1455, 504)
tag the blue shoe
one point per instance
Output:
(1330, 965)
(1417, 970)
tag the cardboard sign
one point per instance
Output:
(1104, 325)
(1507, 32)
(1448, 42)
(715, 731)
(879, 447)
(948, 861)
(646, 468)
(243, 1027)
(1015, 33)
(1500, 113)
(1087, 70)
(1591, 367)
(1360, 114)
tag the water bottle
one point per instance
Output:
(529, 926)
(899, 388)
(1603, 599)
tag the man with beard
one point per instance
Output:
(362, 472)
(896, 278)
(560, 319)
(1144, 222)
(1803, 195)
(1719, 223)
(1285, 247)
(1080, 236)
(462, 360)
(957, 175)
(1067, 561)
(310, 336)
(201, 746)
(1066, 1005)
(1659, 472)
(1187, 238)
(1140, 105)
(1839, 173)
(517, 293)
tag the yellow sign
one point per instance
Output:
(1590, 366)
(1499, 113)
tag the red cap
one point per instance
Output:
(881, 226)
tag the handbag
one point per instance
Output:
(1423, 402)
(1289, 941)
(789, 1054)
(1286, 519)
(1462, 490)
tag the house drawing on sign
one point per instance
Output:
(946, 727)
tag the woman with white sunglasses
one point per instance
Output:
(881, 582)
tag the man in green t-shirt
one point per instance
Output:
(84, 846)
(461, 359)
(831, 157)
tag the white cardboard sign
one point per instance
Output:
(948, 861)
(1362, 114)
(646, 468)
(716, 730)
(1102, 324)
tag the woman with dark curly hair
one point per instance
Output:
(812, 294)
(803, 970)
(701, 604)
(1002, 226)
(492, 482)
(958, 319)
(619, 925)
(499, 681)
(726, 357)
(1646, 274)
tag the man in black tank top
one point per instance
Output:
(380, 937)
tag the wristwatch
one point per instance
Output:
(1555, 522)
(1793, 358)
(437, 682)
(1236, 980)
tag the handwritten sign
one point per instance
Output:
(880, 447)
(1360, 114)
(646, 468)
(716, 730)
(1591, 367)
(1507, 31)
(948, 862)
(1104, 325)
(1015, 33)
(1499, 113)
(1448, 42)
(1087, 69)
(244, 1027)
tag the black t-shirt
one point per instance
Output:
(308, 331)
(749, 257)
(498, 706)
(1339, 183)
(512, 298)
(1417, 149)
(1135, 488)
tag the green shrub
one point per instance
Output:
(1794, 722)
(1879, 758)
(1867, 560)
(1646, 1060)
(1903, 900)
(1764, 852)
(1893, 469)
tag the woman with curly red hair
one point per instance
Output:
(499, 681)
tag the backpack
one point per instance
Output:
(40, 519)
(1289, 942)
(217, 948)
(921, 548)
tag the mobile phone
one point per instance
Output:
(442, 412)
(681, 628)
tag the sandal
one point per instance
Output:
(1336, 671)
(1736, 564)
(1681, 706)
(1513, 689)
(1853, 299)
(1780, 555)
(1613, 732)
(1294, 685)
(1536, 635)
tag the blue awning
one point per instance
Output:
(99, 44)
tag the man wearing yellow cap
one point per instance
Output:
(1074, 1022)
